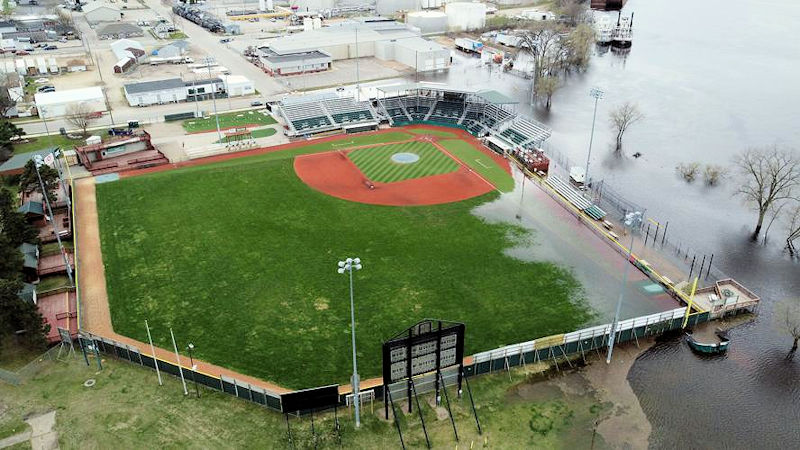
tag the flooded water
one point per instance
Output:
(712, 78)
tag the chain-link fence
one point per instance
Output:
(24, 373)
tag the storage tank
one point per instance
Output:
(428, 22)
(462, 16)
(390, 7)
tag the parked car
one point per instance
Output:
(225, 40)
(21, 53)
(256, 103)
(51, 47)
(45, 89)
(41, 80)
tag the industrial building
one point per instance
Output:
(294, 63)
(56, 104)
(171, 90)
(172, 50)
(463, 16)
(367, 37)
(174, 90)
(128, 53)
(120, 30)
(97, 11)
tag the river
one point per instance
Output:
(712, 78)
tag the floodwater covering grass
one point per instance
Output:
(126, 408)
(227, 120)
(480, 163)
(377, 164)
(240, 259)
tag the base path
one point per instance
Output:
(334, 174)
(94, 313)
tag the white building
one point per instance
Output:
(173, 90)
(294, 63)
(237, 85)
(173, 49)
(101, 12)
(421, 54)
(363, 38)
(56, 104)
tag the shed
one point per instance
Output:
(173, 49)
(54, 104)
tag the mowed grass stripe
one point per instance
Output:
(377, 165)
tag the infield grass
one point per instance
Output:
(240, 258)
(376, 163)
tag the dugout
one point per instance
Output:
(360, 127)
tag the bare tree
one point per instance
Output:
(770, 177)
(713, 174)
(80, 115)
(622, 118)
(543, 43)
(580, 43)
(576, 10)
(793, 229)
(64, 17)
(787, 320)
(688, 171)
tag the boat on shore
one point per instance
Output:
(710, 348)
(604, 30)
(622, 35)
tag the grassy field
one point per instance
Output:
(263, 132)
(53, 140)
(228, 120)
(425, 131)
(377, 165)
(479, 162)
(239, 258)
(127, 409)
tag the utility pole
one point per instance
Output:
(37, 162)
(213, 97)
(597, 94)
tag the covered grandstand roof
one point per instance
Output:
(492, 96)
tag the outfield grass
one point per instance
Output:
(480, 163)
(239, 258)
(227, 120)
(128, 409)
(377, 165)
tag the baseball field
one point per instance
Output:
(239, 257)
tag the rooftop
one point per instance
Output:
(19, 160)
(301, 56)
(89, 7)
(31, 208)
(120, 28)
(69, 95)
(156, 85)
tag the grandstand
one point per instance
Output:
(320, 113)
(481, 112)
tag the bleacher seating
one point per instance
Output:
(526, 131)
(306, 116)
(346, 111)
(574, 196)
(418, 107)
(447, 112)
(394, 108)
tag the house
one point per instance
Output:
(120, 30)
(304, 62)
(55, 104)
(163, 29)
(173, 49)
(76, 65)
(98, 11)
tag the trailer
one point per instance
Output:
(469, 45)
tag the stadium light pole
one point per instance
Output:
(348, 265)
(632, 219)
(597, 93)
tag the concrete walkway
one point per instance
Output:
(42, 435)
